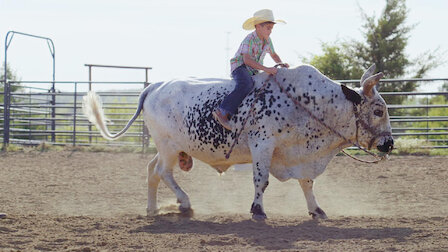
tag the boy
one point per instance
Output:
(247, 61)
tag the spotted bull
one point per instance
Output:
(280, 138)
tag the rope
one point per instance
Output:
(385, 157)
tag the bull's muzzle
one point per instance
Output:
(387, 146)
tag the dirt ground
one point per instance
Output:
(78, 201)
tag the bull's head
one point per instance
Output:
(373, 123)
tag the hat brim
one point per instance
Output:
(250, 23)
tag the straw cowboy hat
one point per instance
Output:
(259, 17)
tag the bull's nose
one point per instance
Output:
(387, 146)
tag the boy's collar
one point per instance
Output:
(258, 38)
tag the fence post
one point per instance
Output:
(53, 115)
(427, 117)
(74, 113)
(90, 89)
(29, 115)
(145, 137)
(6, 112)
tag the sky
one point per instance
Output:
(194, 38)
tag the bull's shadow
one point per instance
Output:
(263, 233)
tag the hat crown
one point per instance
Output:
(264, 14)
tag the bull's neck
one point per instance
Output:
(347, 122)
(326, 102)
(337, 113)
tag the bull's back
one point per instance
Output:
(181, 112)
(174, 99)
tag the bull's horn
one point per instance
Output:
(368, 73)
(370, 82)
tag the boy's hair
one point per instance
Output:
(265, 23)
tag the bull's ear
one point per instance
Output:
(369, 84)
(351, 95)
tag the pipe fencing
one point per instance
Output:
(34, 118)
(32, 115)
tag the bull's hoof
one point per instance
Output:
(259, 217)
(151, 212)
(186, 212)
(318, 214)
(184, 209)
(257, 213)
(184, 205)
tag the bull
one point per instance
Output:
(280, 138)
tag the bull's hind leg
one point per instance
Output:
(313, 207)
(153, 180)
(164, 169)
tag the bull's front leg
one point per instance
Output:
(261, 159)
(313, 207)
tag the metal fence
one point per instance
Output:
(33, 118)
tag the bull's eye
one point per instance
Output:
(378, 113)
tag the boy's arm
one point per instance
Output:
(252, 63)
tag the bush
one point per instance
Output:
(406, 146)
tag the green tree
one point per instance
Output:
(12, 76)
(335, 62)
(385, 41)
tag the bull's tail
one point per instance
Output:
(93, 110)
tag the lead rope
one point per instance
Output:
(252, 111)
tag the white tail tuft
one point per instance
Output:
(92, 108)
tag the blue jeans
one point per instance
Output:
(244, 84)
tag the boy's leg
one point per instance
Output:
(244, 85)
(232, 101)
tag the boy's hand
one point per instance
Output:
(271, 70)
(285, 65)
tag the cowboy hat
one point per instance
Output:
(259, 17)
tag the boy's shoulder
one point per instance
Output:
(254, 37)
(250, 36)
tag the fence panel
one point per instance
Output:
(421, 115)
(31, 117)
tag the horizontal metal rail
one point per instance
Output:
(418, 120)
(32, 114)
(410, 128)
(417, 106)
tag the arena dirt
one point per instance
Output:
(79, 201)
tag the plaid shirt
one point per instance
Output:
(253, 46)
